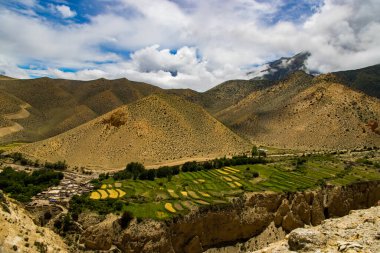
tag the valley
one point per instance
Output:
(100, 163)
(217, 192)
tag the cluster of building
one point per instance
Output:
(69, 186)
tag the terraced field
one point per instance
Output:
(163, 198)
(108, 191)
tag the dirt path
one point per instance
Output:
(22, 114)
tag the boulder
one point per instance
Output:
(302, 239)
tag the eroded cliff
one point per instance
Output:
(250, 221)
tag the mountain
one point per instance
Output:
(155, 129)
(366, 79)
(306, 112)
(2, 77)
(56, 105)
(223, 95)
(281, 68)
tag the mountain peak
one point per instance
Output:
(279, 69)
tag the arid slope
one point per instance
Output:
(154, 129)
(60, 105)
(303, 112)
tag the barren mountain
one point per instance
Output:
(6, 78)
(306, 112)
(223, 95)
(366, 79)
(59, 105)
(154, 129)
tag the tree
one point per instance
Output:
(148, 175)
(135, 169)
(255, 151)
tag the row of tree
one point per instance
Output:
(222, 162)
(22, 186)
(136, 170)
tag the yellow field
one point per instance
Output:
(205, 194)
(104, 186)
(95, 195)
(103, 194)
(170, 208)
(231, 185)
(201, 181)
(222, 172)
(238, 184)
(118, 185)
(202, 202)
(184, 193)
(232, 169)
(121, 193)
(113, 194)
(227, 179)
(234, 178)
(173, 194)
(161, 215)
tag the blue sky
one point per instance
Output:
(182, 43)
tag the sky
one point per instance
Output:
(193, 44)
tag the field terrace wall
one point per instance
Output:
(247, 217)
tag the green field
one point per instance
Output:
(164, 198)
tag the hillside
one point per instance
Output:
(2, 77)
(366, 79)
(155, 129)
(223, 95)
(303, 112)
(56, 105)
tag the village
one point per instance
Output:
(72, 184)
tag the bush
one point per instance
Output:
(148, 175)
(56, 166)
(79, 204)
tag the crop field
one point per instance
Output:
(108, 191)
(164, 198)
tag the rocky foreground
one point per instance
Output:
(357, 232)
(18, 232)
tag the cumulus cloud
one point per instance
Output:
(65, 11)
(214, 40)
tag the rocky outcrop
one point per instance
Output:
(356, 232)
(18, 233)
(253, 215)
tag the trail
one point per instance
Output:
(22, 114)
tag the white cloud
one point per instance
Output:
(216, 40)
(65, 11)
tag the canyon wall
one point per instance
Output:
(259, 218)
